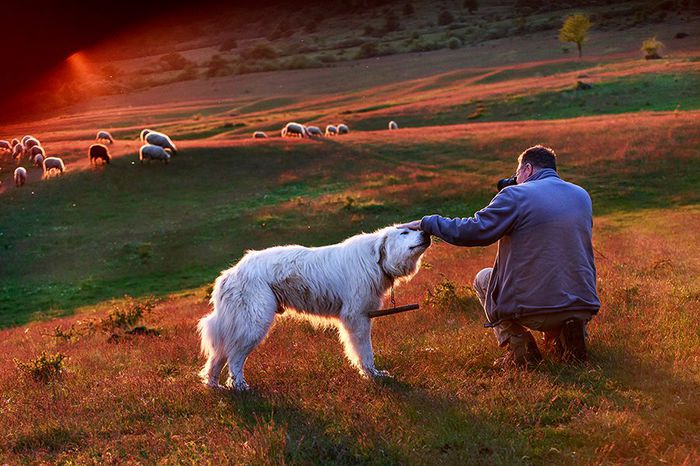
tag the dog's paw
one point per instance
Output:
(377, 373)
(237, 386)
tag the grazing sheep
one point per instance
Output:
(5, 145)
(104, 136)
(393, 125)
(20, 176)
(99, 151)
(259, 135)
(15, 141)
(26, 138)
(294, 130)
(38, 161)
(159, 139)
(31, 142)
(17, 152)
(343, 129)
(53, 163)
(143, 134)
(314, 131)
(151, 152)
(331, 130)
(34, 151)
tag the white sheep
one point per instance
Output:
(151, 152)
(38, 161)
(20, 176)
(143, 134)
(34, 151)
(259, 135)
(5, 145)
(314, 131)
(17, 152)
(331, 130)
(30, 142)
(15, 141)
(104, 136)
(294, 130)
(25, 138)
(53, 163)
(393, 125)
(343, 129)
(159, 139)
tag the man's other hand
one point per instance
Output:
(414, 225)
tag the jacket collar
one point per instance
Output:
(542, 174)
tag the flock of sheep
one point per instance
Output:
(297, 130)
(28, 150)
(155, 146)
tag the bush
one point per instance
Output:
(651, 48)
(368, 50)
(126, 314)
(44, 368)
(454, 43)
(217, 66)
(260, 51)
(447, 296)
(445, 18)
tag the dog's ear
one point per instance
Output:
(379, 247)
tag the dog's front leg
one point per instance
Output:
(358, 344)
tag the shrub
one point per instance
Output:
(368, 50)
(260, 51)
(124, 315)
(217, 66)
(445, 18)
(454, 43)
(651, 48)
(447, 296)
(44, 368)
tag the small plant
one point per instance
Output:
(651, 48)
(217, 66)
(125, 315)
(44, 369)
(454, 43)
(447, 296)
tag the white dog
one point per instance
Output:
(340, 283)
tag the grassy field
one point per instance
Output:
(117, 383)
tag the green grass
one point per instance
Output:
(535, 71)
(651, 92)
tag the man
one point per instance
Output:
(544, 276)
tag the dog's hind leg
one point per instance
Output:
(252, 322)
(356, 335)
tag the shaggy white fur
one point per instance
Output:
(340, 284)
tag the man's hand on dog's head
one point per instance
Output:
(414, 225)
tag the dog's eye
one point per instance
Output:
(404, 233)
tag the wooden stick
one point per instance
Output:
(392, 310)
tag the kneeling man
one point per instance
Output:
(544, 276)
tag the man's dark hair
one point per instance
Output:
(539, 156)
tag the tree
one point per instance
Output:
(575, 29)
(652, 48)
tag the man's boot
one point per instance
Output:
(522, 351)
(573, 340)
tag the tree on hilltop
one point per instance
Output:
(575, 29)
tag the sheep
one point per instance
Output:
(393, 125)
(53, 163)
(34, 151)
(31, 142)
(104, 136)
(314, 131)
(331, 130)
(20, 176)
(143, 134)
(343, 129)
(99, 151)
(38, 161)
(17, 152)
(159, 139)
(5, 145)
(151, 152)
(294, 130)
(25, 138)
(259, 135)
(15, 141)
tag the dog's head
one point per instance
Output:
(400, 250)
